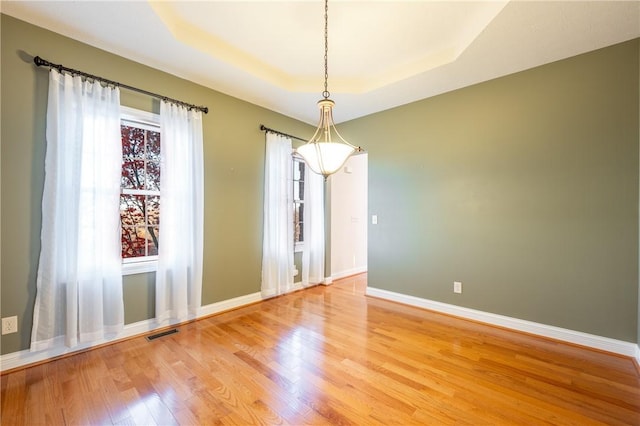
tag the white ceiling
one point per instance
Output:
(381, 53)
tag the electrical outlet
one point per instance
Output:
(457, 287)
(9, 325)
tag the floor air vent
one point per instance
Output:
(161, 334)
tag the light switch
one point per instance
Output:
(374, 219)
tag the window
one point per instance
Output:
(298, 202)
(140, 193)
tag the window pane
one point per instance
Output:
(133, 174)
(298, 191)
(132, 210)
(298, 215)
(140, 214)
(298, 170)
(152, 240)
(153, 146)
(298, 233)
(132, 142)
(126, 238)
(153, 176)
(153, 209)
(133, 245)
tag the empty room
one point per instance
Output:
(320, 212)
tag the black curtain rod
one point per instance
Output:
(44, 63)
(266, 129)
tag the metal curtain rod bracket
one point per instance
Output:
(44, 63)
(267, 129)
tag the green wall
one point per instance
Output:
(234, 167)
(525, 188)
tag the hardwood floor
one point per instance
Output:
(329, 355)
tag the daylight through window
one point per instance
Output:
(140, 195)
(298, 200)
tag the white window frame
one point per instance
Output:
(149, 121)
(298, 247)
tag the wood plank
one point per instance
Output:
(329, 355)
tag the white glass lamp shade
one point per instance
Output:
(322, 153)
(325, 158)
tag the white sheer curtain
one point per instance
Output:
(313, 254)
(179, 274)
(277, 245)
(79, 281)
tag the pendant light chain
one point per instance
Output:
(327, 151)
(326, 49)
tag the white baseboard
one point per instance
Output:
(576, 337)
(26, 357)
(349, 272)
(228, 304)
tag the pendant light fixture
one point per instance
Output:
(326, 151)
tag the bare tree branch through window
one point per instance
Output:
(140, 196)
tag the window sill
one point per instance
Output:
(139, 267)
